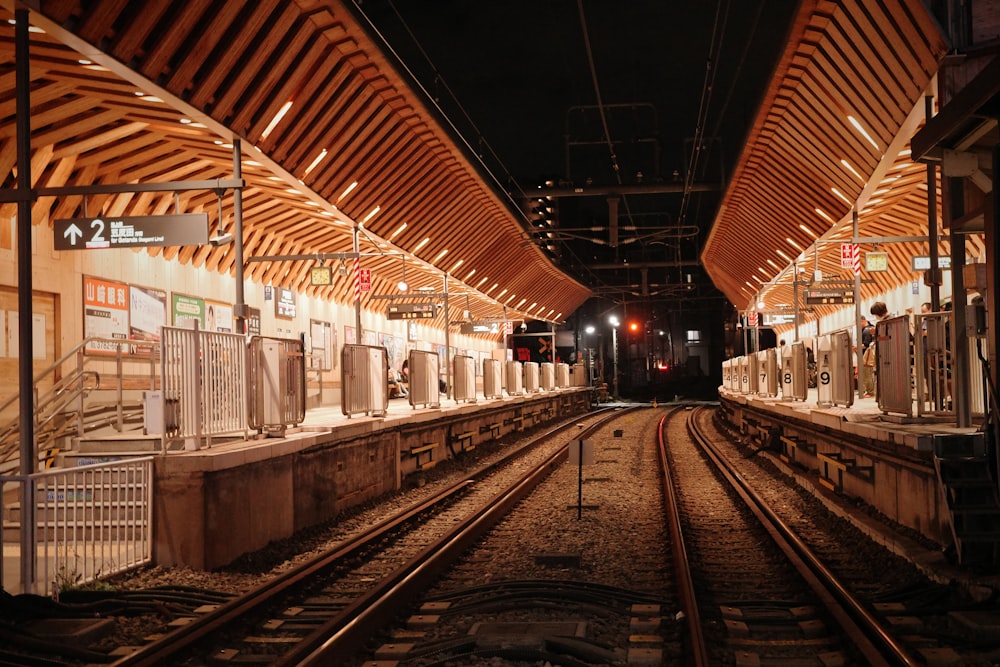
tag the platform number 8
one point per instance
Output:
(788, 378)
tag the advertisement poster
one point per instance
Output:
(218, 317)
(350, 336)
(183, 309)
(147, 313)
(323, 339)
(105, 313)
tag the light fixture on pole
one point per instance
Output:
(589, 330)
(614, 351)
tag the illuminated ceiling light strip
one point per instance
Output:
(438, 257)
(495, 285)
(842, 196)
(469, 275)
(773, 263)
(808, 230)
(864, 133)
(502, 292)
(509, 299)
(784, 256)
(277, 119)
(312, 165)
(794, 244)
(847, 165)
(397, 232)
(372, 214)
(456, 265)
(481, 281)
(348, 190)
(421, 245)
(521, 303)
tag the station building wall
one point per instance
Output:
(58, 307)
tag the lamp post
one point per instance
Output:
(590, 355)
(614, 352)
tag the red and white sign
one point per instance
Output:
(752, 318)
(850, 257)
(365, 280)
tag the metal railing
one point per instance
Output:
(83, 523)
(204, 384)
(83, 391)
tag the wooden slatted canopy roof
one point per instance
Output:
(832, 135)
(142, 92)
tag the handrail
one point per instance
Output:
(74, 384)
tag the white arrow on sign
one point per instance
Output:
(73, 232)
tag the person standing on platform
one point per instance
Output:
(881, 313)
(868, 357)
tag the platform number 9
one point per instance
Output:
(824, 377)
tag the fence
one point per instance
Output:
(204, 385)
(893, 360)
(82, 523)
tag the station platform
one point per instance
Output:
(903, 467)
(217, 503)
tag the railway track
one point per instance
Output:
(525, 571)
(863, 605)
(329, 606)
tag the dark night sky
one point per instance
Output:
(514, 78)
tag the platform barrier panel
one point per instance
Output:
(743, 366)
(277, 383)
(425, 373)
(564, 372)
(795, 373)
(364, 377)
(531, 372)
(492, 378)
(753, 374)
(767, 373)
(841, 368)
(515, 379)
(727, 374)
(893, 361)
(932, 366)
(465, 379)
(547, 376)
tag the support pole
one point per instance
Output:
(859, 353)
(447, 340)
(25, 350)
(357, 283)
(239, 308)
(934, 272)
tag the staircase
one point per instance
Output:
(965, 472)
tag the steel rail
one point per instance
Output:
(348, 632)
(876, 645)
(183, 637)
(682, 567)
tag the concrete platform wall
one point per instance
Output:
(900, 483)
(215, 505)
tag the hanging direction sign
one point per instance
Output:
(829, 297)
(140, 231)
(410, 311)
